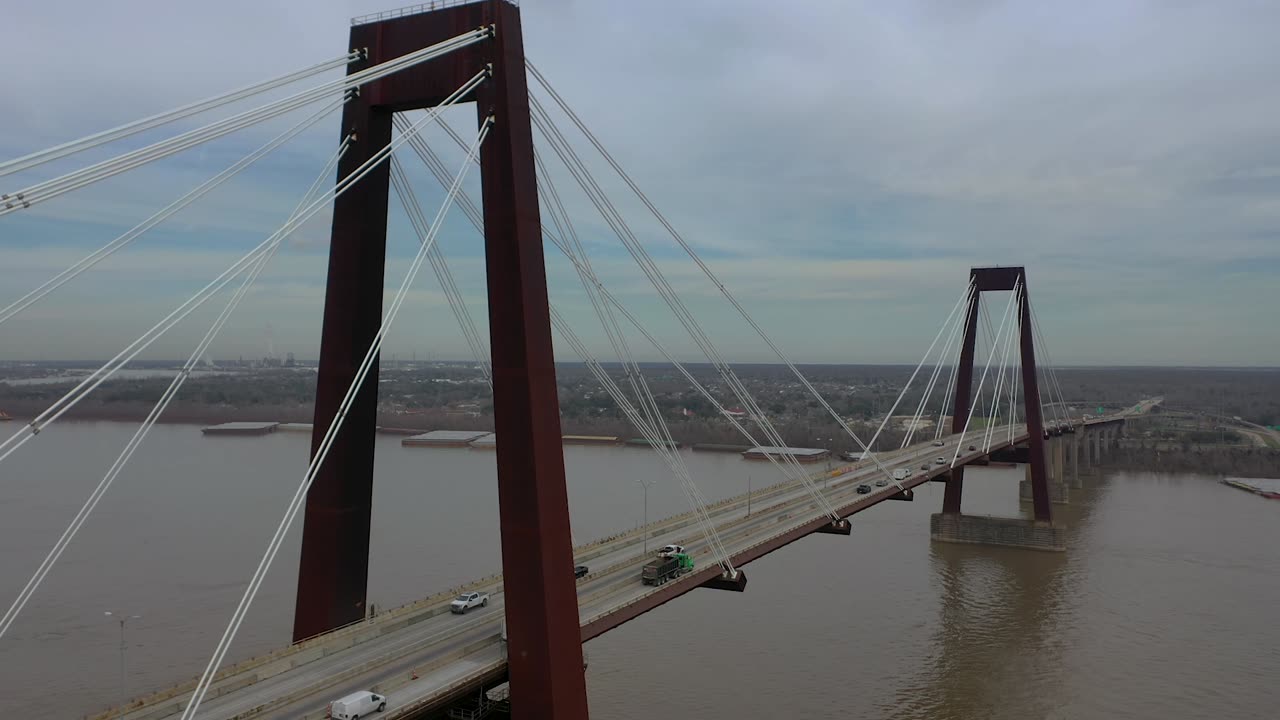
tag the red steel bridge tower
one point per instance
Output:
(997, 279)
(544, 641)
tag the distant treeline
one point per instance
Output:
(1220, 460)
(455, 397)
(1251, 394)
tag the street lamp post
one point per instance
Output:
(122, 620)
(645, 527)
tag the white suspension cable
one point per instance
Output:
(122, 131)
(1017, 382)
(126, 454)
(653, 418)
(943, 355)
(1044, 345)
(698, 260)
(646, 425)
(635, 377)
(107, 168)
(994, 409)
(935, 374)
(583, 176)
(1048, 407)
(990, 430)
(1053, 415)
(969, 415)
(652, 415)
(948, 396)
(480, 348)
(990, 353)
(663, 446)
(551, 200)
(160, 216)
(635, 322)
(433, 162)
(945, 325)
(400, 182)
(326, 443)
(101, 375)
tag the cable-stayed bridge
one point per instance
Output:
(405, 69)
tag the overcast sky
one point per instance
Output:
(840, 164)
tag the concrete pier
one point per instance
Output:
(1086, 452)
(1058, 492)
(1058, 460)
(1074, 450)
(1007, 532)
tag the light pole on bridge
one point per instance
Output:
(122, 619)
(644, 528)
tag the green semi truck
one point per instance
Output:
(661, 569)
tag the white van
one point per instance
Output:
(357, 705)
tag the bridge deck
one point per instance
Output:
(453, 655)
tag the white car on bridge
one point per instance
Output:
(357, 704)
(670, 550)
(466, 601)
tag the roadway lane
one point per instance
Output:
(614, 582)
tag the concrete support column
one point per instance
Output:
(1075, 460)
(1055, 466)
(1058, 492)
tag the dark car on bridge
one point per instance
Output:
(580, 571)
(863, 489)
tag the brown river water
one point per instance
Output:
(1164, 605)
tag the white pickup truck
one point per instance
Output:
(466, 601)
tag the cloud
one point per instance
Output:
(840, 166)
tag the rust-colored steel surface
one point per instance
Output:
(1041, 505)
(544, 651)
(334, 565)
(545, 654)
(954, 490)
